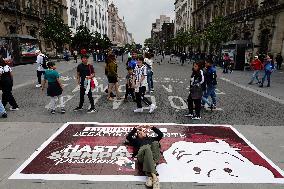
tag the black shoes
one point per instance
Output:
(4, 115)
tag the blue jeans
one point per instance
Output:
(2, 109)
(150, 80)
(210, 91)
(267, 74)
(255, 76)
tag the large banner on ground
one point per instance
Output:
(191, 153)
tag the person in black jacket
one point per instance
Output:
(147, 150)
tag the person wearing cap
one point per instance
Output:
(55, 88)
(256, 66)
(40, 69)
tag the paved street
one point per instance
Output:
(256, 113)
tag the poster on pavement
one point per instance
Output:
(190, 153)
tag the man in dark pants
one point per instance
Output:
(148, 152)
(279, 61)
(85, 72)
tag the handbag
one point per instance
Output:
(196, 92)
(92, 82)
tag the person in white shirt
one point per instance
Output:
(40, 69)
(149, 63)
(140, 86)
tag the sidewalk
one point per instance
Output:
(242, 78)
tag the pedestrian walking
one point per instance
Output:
(226, 63)
(257, 67)
(41, 62)
(55, 88)
(85, 73)
(268, 69)
(6, 83)
(183, 58)
(75, 55)
(3, 113)
(140, 86)
(210, 77)
(148, 152)
(148, 61)
(112, 76)
(195, 95)
(279, 61)
(130, 84)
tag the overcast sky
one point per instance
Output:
(140, 14)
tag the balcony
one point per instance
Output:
(240, 15)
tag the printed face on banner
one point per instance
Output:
(191, 153)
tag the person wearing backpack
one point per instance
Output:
(41, 62)
(268, 69)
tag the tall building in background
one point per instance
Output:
(117, 31)
(91, 13)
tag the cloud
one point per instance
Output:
(140, 14)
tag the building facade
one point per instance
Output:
(257, 21)
(183, 13)
(117, 32)
(24, 18)
(91, 13)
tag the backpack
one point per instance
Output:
(44, 61)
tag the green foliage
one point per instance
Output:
(149, 43)
(56, 31)
(83, 38)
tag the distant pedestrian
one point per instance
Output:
(195, 95)
(226, 63)
(6, 83)
(140, 87)
(268, 69)
(210, 76)
(3, 113)
(130, 84)
(75, 54)
(41, 62)
(256, 66)
(183, 58)
(112, 76)
(279, 61)
(55, 88)
(85, 72)
(148, 61)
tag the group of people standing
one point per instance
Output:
(139, 77)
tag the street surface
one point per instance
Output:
(256, 113)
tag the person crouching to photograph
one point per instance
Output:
(55, 88)
(148, 152)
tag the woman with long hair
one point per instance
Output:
(112, 76)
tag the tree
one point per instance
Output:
(149, 43)
(217, 32)
(83, 38)
(55, 31)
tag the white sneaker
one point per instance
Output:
(196, 118)
(149, 182)
(138, 110)
(38, 85)
(188, 115)
(14, 109)
(152, 108)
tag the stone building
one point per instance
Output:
(183, 13)
(259, 22)
(117, 32)
(91, 13)
(25, 17)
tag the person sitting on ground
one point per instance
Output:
(148, 152)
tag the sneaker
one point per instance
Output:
(152, 89)
(196, 118)
(4, 115)
(156, 184)
(38, 85)
(14, 109)
(91, 110)
(78, 109)
(188, 115)
(152, 108)
(63, 111)
(149, 182)
(138, 110)
(52, 112)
